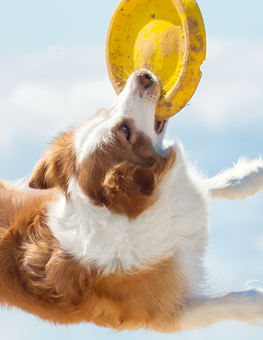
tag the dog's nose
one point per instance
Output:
(145, 80)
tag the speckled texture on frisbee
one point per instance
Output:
(166, 37)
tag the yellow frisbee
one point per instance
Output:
(166, 37)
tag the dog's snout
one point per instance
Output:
(145, 79)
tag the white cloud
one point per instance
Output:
(43, 93)
(231, 89)
(22, 329)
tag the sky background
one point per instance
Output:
(53, 74)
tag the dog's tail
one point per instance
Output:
(244, 179)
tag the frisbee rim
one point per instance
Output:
(166, 106)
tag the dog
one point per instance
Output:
(115, 229)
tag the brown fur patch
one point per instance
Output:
(57, 166)
(121, 174)
(39, 277)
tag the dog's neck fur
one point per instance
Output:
(114, 242)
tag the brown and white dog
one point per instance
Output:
(117, 237)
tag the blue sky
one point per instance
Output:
(53, 73)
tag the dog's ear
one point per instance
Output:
(42, 176)
(56, 167)
(128, 189)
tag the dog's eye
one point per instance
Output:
(126, 131)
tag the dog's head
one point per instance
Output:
(116, 158)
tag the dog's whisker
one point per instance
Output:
(116, 74)
(123, 69)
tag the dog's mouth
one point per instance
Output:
(159, 126)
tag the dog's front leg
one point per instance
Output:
(245, 306)
(244, 179)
